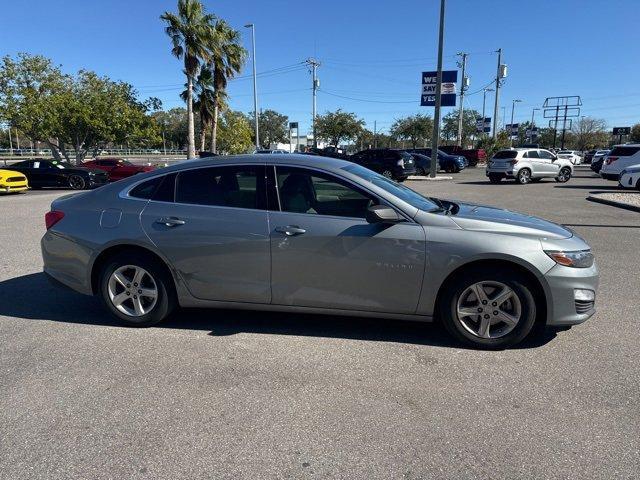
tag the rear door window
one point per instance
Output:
(240, 186)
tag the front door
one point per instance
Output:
(325, 254)
(549, 168)
(213, 228)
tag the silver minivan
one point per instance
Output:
(528, 165)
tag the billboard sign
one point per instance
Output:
(448, 94)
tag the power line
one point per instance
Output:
(366, 100)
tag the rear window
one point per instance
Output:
(145, 189)
(505, 154)
(624, 151)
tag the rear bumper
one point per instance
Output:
(67, 262)
(610, 176)
(562, 305)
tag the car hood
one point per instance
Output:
(490, 219)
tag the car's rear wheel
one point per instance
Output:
(387, 173)
(524, 176)
(495, 178)
(76, 182)
(489, 309)
(137, 290)
(564, 175)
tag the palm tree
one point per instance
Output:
(226, 59)
(190, 32)
(203, 94)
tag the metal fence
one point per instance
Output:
(103, 152)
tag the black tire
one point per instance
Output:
(564, 175)
(166, 297)
(511, 278)
(495, 178)
(420, 171)
(76, 182)
(524, 176)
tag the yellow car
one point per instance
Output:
(11, 181)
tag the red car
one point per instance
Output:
(116, 167)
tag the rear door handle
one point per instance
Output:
(170, 221)
(291, 230)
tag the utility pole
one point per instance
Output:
(513, 107)
(436, 114)
(495, 105)
(255, 82)
(375, 134)
(484, 101)
(462, 90)
(316, 83)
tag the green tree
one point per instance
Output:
(272, 127)
(415, 129)
(635, 133)
(234, 133)
(173, 125)
(450, 125)
(227, 57)
(190, 32)
(334, 127)
(491, 145)
(83, 113)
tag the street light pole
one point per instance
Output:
(462, 89)
(255, 82)
(495, 105)
(513, 107)
(436, 113)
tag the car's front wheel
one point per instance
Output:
(76, 182)
(491, 310)
(387, 173)
(137, 290)
(564, 175)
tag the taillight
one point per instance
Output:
(52, 217)
(610, 160)
(513, 162)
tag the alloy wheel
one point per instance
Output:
(524, 176)
(387, 173)
(488, 309)
(76, 182)
(564, 175)
(132, 290)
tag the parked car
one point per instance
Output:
(52, 173)
(391, 163)
(473, 155)
(117, 168)
(12, 181)
(287, 235)
(423, 164)
(598, 160)
(588, 156)
(620, 157)
(570, 155)
(449, 163)
(528, 164)
(630, 177)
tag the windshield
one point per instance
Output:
(403, 193)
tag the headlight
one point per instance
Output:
(576, 259)
(401, 163)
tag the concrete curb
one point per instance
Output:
(440, 178)
(613, 203)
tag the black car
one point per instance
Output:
(449, 163)
(596, 165)
(423, 164)
(52, 173)
(395, 164)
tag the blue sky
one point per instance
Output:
(369, 50)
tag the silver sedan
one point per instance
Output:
(314, 234)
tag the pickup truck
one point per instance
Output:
(473, 155)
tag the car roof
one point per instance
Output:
(289, 159)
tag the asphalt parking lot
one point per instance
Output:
(220, 394)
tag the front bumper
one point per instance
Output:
(562, 306)
(13, 187)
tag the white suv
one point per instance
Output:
(571, 155)
(620, 157)
(528, 164)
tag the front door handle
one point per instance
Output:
(170, 221)
(291, 230)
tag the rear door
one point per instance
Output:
(326, 255)
(215, 233)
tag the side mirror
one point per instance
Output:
(554, 158)
(382, 214)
